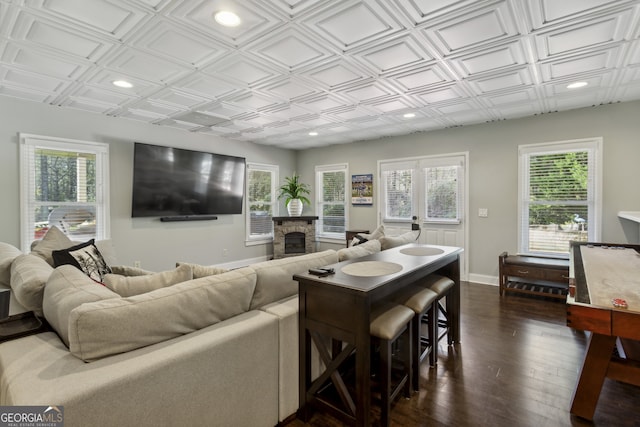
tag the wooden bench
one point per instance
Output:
(534, 275)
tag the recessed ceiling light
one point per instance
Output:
(409, 115)
(122, 83)
(226, 18)
(577, 85)
(313, 133)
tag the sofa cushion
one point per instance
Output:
(85, 257)
(7, 254)
(66, 289)
(202, 270)
(117, 325)
(53, 240)
(275, 277)
(29, 274)
(388, 242)
(125, 270)
(357, 251)
(135, 285)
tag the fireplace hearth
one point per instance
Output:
(293, 235)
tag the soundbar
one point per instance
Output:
(187, 218)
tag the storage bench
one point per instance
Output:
(541, 276)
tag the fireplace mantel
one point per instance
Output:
(307, 219)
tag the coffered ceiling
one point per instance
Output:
(347, 70)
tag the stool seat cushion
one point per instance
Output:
(389, 321)
(438, 284)
(419, 299)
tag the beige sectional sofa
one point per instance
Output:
(218, 350)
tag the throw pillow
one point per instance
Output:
(364, 237)
(136, 285)
(203, 270)
(53, 240)
(85, 257)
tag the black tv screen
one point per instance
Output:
(177, 182)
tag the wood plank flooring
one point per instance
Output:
(517, 365)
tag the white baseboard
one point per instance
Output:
(484, 279)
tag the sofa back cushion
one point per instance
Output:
(275, 277)
(7, 254)
(128, 286)
(66, 289)
(203, 270)
(29, 274)
(118, 325)
(358, 251)
(388, 242)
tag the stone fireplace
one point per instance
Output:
(293, 235)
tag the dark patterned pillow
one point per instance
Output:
(85, 257)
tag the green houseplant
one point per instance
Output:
(294, 193)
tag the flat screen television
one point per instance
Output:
(175, 182)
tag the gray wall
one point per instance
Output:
(493, 171)
(155, 244)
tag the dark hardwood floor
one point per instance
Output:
(517, 365)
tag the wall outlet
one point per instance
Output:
(483, 212)
(136, 264)
(225, 252)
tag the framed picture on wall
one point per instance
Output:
(362, 189)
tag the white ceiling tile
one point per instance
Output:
(491, 24)
(256, 20)
(577, 65)
(290, 49)
(109, 18)
(485, 60)
(205, 86)
(175, 43)
(514, 79)
(242, 70)
(23, 93)
(68, 40)
(346, 68)
(552, 12)
(337, 24)
(388, 57)
(595, 33)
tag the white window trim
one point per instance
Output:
(275, 170)
(28, 142)
(332, 237)
(595, 220)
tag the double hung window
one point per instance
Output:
(64, 183)
(261, 202)
(331, 201)
(559, 188)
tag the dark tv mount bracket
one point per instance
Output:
(188, 218)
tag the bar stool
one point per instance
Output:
(423, 302)
(442, 286)
(389, 323)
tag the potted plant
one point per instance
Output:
(294, 192)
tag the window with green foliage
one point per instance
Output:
(559, 193)
(331, 196)
(64, 184)
(261, 201)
